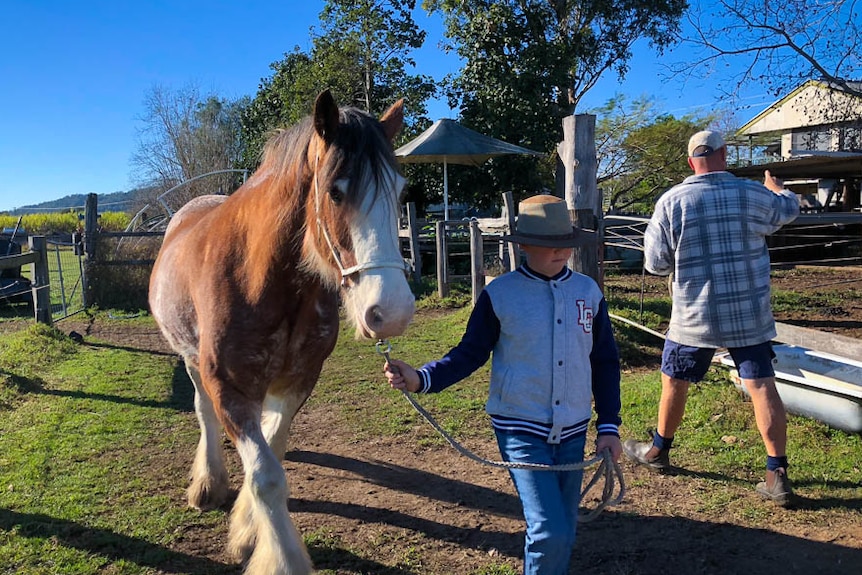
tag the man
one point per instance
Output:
(710, 233)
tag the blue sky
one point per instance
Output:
(75, 74)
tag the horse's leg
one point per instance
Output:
(208, 487)
(260, 520)
(278, 413)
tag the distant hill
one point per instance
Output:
(114, 202)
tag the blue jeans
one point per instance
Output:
(550, 498)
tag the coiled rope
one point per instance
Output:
(608, 469)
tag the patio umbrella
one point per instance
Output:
(449, 142)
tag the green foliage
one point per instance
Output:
(641, 154)
(361, 53)
(64, 222)
(528, 64)
(282, 100)
(114, 221)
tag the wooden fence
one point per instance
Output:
(443, 239)
(37, 258)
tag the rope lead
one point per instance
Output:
(608, 469)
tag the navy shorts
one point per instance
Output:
(691, 363)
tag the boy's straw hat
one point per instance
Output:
(544, 221)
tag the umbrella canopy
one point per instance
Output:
(449, 142)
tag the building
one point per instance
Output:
(816, 117)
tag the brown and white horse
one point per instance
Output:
(246, 289)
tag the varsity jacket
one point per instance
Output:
(553, 353)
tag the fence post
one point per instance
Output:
(89, 241)
(91, 225)
(578, 153)
(442, 260)
(477, 260)
(510, 209)
(415, 252)
(41, 280)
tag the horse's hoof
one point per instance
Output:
(207, 495)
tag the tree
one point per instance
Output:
(361, 52)
(780, 44)
(184, 136)
(282, 99)
(641, 154)
(528, 63)
(377, 36)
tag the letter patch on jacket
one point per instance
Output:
(585, 316)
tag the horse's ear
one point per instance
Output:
(392, 119)
(325, 116)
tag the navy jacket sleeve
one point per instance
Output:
(605, 360)
(471, 353)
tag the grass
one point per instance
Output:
(78, 424)
(71, 451)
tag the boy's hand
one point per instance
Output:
(611, 442)
(401, 375)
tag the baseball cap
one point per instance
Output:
(704, 143)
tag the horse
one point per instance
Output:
(247, 288)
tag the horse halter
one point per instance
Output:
(360, 267)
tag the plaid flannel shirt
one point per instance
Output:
(710, 232)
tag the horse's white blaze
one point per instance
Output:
(380, 300)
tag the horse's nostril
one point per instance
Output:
(374, 317)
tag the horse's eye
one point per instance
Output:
(338, 191)
(336, 195)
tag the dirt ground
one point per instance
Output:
(390, 507)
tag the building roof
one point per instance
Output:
(781, 116)
(846, 165)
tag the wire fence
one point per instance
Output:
(66, 283)
(66, 269)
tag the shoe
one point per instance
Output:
(776, 488)
(647, 454)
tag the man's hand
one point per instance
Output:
(773, 183)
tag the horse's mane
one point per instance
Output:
(360, 140)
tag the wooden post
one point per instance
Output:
(477, 261)
(514, 254)
(91, 225)
(415, 252)
(578, 154)
(442, 260)
(41, 280)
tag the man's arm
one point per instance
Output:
(658, 257)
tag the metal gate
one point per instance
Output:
(66, 269)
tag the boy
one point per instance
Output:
(553, 352)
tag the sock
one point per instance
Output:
(773, 463)
(661, 442)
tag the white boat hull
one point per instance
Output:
(813, 384)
